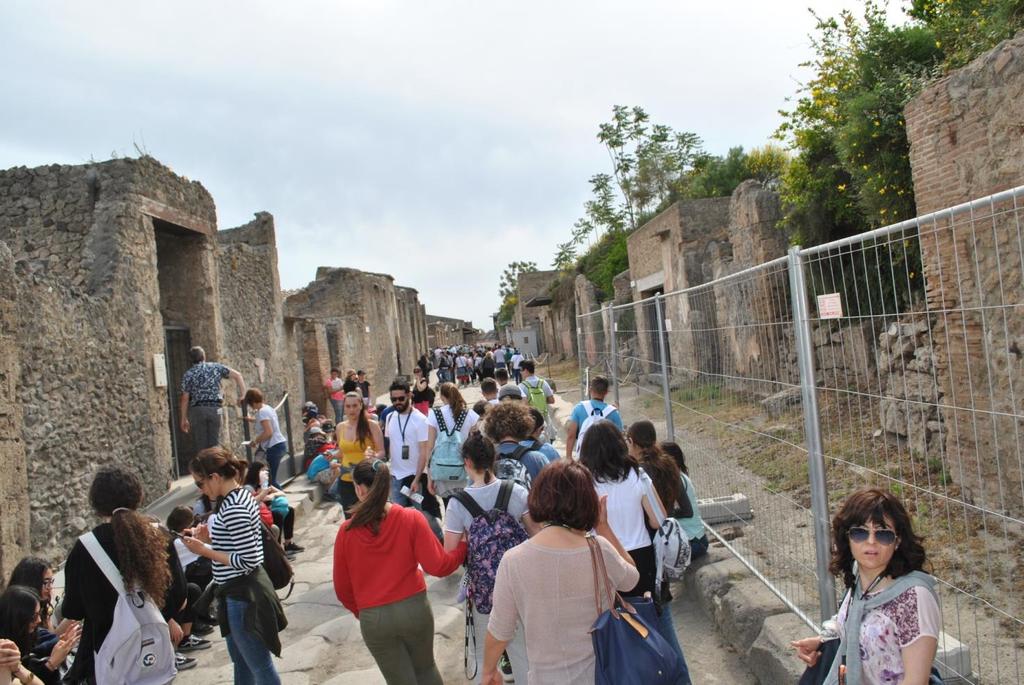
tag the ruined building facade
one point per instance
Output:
(110, 272)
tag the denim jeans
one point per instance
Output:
(668, 631)
(205, 425)
(252, 660)
(274, 456)
(398, 498)
(339, 410)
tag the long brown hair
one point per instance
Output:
(363, 435)
(454, 398)
(662, 469)
(373, 474)
(141, 547)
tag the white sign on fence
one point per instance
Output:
(830, 306)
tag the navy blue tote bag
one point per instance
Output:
(628, 649)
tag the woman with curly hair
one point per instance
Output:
(144, 556)
(357, 438)
(889, 621)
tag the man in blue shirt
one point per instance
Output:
(595, 407)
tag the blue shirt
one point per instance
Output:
(547, 450)
(202, 382)
(579, 414)
(533, 460)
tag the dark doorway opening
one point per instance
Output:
(177, 342)
(651, 323)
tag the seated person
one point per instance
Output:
(257, 482)
(35, 573)
(20, 608)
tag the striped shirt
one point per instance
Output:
(235, 530)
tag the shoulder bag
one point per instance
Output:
(627, 648)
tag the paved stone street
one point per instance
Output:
(323, 646)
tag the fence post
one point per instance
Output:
(812, 433)
(613, 361)
(579, 355)
(670, 425)
(245, 432)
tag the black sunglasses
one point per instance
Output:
(399, 399)
(883, 536)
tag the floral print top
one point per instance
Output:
(887, 629)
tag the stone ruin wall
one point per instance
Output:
(358, 320)
(559, 320)
(15, 540)
(258, 341)
(85, 297)
(95, 260)
(752, 311)
(965, 134)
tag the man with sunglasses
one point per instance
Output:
(405, 434)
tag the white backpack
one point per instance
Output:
(672, 550)
(138, 648)
(593, 415)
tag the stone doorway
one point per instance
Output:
(177, 342)
(186, 274)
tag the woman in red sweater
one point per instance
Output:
(377, 556)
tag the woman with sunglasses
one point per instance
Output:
(248, 610)
(378, 556)
(889, 621)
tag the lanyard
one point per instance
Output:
(401, 428)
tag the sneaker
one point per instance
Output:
(506, 668)
(292, 547)
(199, 628)
(193, 643)
(183, 663)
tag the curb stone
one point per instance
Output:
(747, 615)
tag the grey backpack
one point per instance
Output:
(138, 648)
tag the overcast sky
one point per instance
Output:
(433, 140)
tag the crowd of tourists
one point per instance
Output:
(465, 365)
(555, 546)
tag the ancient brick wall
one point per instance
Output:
(15, 541)
(360, 313)
(411, 329)
(258, 341)
(88, 302)
(965, 134)
(758, 351)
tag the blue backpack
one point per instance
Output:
(446, 460)
(491, 534)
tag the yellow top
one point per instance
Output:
(350, 453)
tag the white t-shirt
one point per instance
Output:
(449, 420)
(457, 519)
(516, 358)
(414, 425)
(626, 515)
(493, 401)
(267, 413)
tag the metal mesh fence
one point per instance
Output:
(891, 359)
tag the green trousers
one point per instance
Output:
(400, 636)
